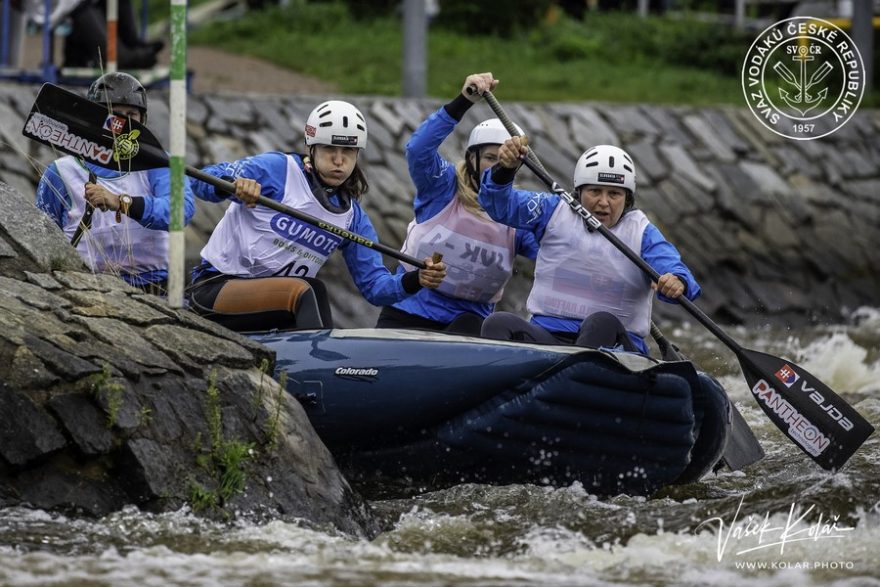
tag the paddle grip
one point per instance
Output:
(85, 222)
(505, 120)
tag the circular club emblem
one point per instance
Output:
(803, 78)
(125, 146)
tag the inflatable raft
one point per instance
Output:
(431, 410)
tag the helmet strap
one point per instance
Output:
(321, 190)
(472, 165)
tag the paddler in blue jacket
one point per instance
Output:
(586, 292)
(478, 251)
(259, 267)
(127, 212)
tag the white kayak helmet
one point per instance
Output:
(336, 123)
(489, 132)
(606, 165)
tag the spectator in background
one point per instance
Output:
(86, 46)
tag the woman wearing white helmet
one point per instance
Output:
(586, 292)
(479, 251)
(258, 268)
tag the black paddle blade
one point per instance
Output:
(742, 448)
(822, 424)
(77, 126)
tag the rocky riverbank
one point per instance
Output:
(108, 397)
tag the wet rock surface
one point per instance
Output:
(108, 397)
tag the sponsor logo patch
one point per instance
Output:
(50, 131)
(311, 237)
(344, 140)
(800, 429)
(611, 177)
(125, 146)
(787, 375)
(369, 372)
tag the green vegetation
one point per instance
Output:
(226, 460)
(108, 392)
(200, 498)
(613, 57)
(145, 416)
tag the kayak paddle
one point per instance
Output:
(816, 419)
(77, 126)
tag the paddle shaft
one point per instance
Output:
(531, 161)
(229, 187)
(77, 126)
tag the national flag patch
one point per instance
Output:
(787, 375)
(115, 124)
(310, 130)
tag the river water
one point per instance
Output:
(783, 521)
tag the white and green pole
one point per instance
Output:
(177, 163)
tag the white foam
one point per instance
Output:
(841, 364)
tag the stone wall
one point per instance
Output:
(774, 229)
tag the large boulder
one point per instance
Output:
(109, 397)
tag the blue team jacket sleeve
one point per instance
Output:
(52, 197)
(377, 284)
(157, 209)
(433, 176)
(526, 244)
(521, 209)
(269, 169)
(665, 258)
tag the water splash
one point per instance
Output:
(842, 364)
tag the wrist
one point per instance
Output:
(503, 175)
(458, 107)
(123, 206)
(410, 282)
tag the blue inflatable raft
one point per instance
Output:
(432, 410)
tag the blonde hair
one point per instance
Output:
(465, 191)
